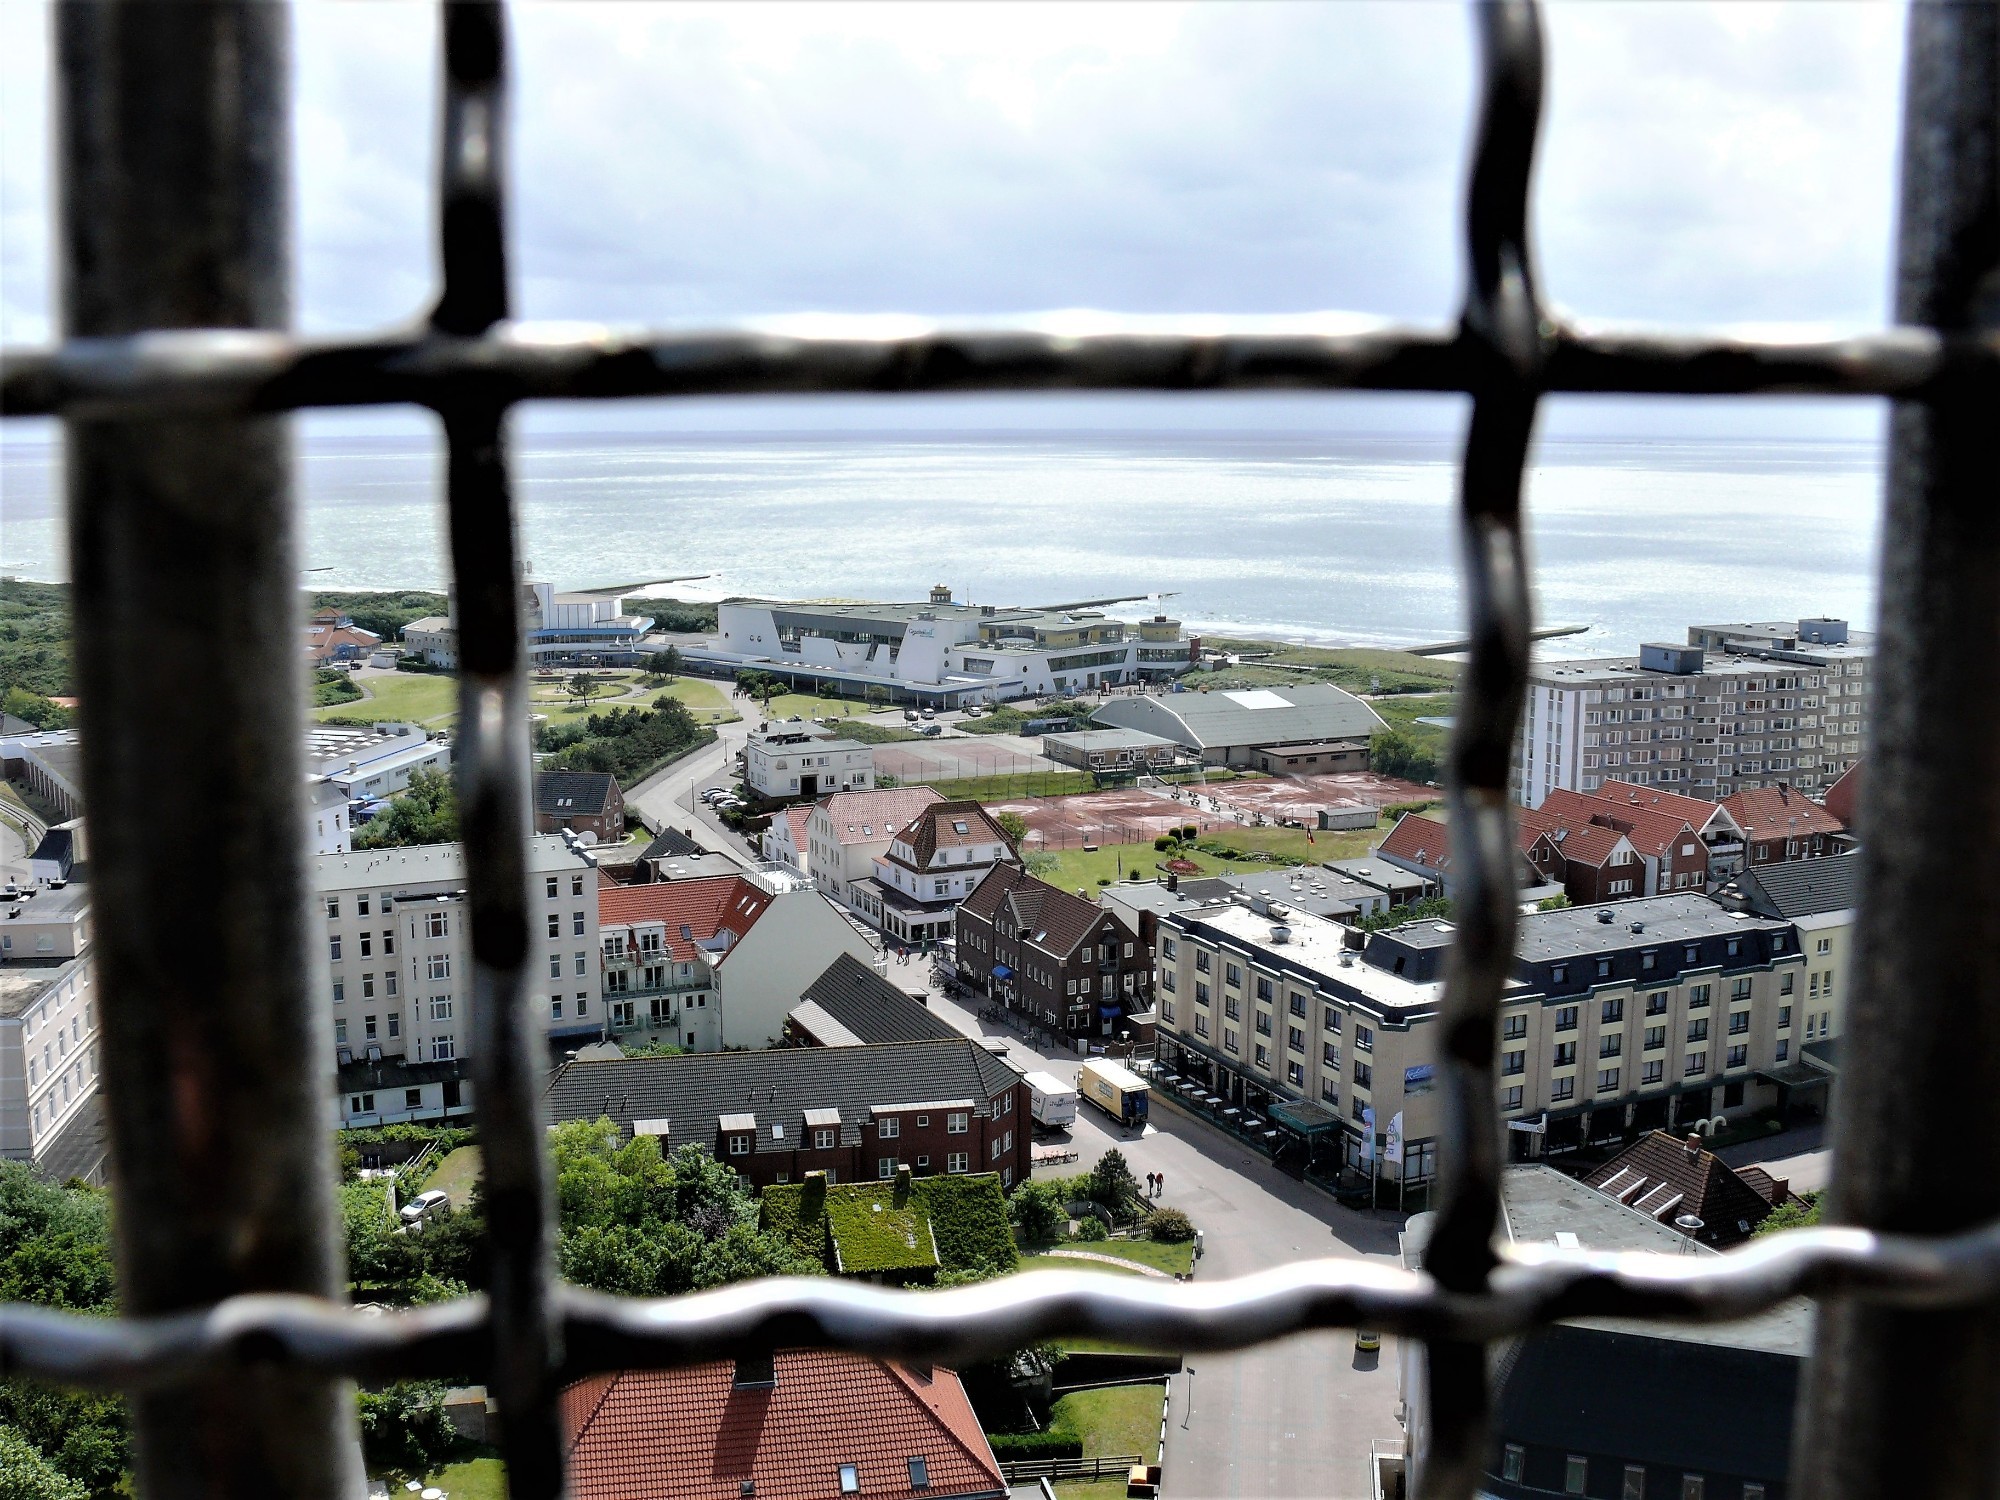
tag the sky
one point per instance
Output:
(1702, 164)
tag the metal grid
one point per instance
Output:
(235, 1345)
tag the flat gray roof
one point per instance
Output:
(1574, 931)
(1109, 739)
(1310, 712)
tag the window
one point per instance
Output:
(439, 966)
(1263, 989)
(1784, 1016)
(1331, 1021)
(1784, 1050)
(1298, 1004)
(1611, 1046)
(549, 887)
(1200, 1024)
(1697, 1063)
(339, 991)
(367, 1031)
(576, 924)
(955, 1124)
(1364, 1076)
(885, 1166)
(1513, 1460)
(333, 947)
(443, 1049)
(1364, 1038)
(367, 945)
(1229, 1040)
(582, 965)
(413, 1098)
(1561, 1089)
(1739, 1022)
(958, 1161)
(1737, 1057)
(339, 1036)
(555, 924)
(1634, 1487)
(1693, 1487)
(1565, 1018)
(1168, 948)
(1697, 996)
(1513, 1064)
(1656, 1003)
(1513, 1028)
(1576, 1474)
(888, 1127)
(1510, 1098)
(850, 1480)
(1698, 1029)
(437, 924)
(739, 1145)
(1558, 973)
(920, 1474)
(361, 1104)
(1613, 1011)
(1604, 964)
(1739, 989)
(1201, 961)
(1785, 983)
(395, 1024)
(1231, 974)
(823, 1139)
(333, 906)
(1607, 1080)
(576, 885)
(1565, 1054)
(1231, 1008)
(1200, 992)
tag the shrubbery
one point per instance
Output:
(1169, 1226)
(1021, 1446)
(630, 743)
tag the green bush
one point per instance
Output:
(1169, 1226)
(1041, 1209)
(1163, 843)
(26, 1475)
(1190, 832)
(1021, 1446)
(1090, 1227)
(405, 1428)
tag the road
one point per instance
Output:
(1290, 1419)
(1799, 1156)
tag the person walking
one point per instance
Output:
(1159, 1184)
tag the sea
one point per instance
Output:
(1341, 538)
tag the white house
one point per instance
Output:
(48, 1033)
(787, 760)
(930, 866)
(849, 830)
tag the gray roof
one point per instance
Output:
(1803, 887)
(671, 841)
(573, 794)
(868, 1008)
(1252, 716)
(1578, 931)
(693, 1093)
(1107, 739)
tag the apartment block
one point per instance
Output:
(48, 1033)
(392, 925)
(1653, 1014)
(1737, 707)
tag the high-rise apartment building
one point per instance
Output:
(1737, 707)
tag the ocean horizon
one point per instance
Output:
(1336, 538)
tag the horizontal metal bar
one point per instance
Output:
(247, 371)
(1532, 1287)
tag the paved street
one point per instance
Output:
(1290, 1419)
(1801, 1156)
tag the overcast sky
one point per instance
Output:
(1728, 163)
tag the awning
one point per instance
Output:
(1001, 971)
(1113, 1009)
(1304, 1116)
(1798, 1075)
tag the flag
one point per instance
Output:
(1368, 1132)
(1393, 1151)
(1309, 835)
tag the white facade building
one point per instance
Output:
(930, 866)
(1740, 706)
(849, 831)
(585, 628)
(788, 761)
(374, 762)
(392, 928)
(48, 1028)
(940, 652)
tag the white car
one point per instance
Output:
(423, 1205)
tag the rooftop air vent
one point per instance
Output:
(1607, 917)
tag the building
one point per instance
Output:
(851, 1005)
(586, 629)
(849, 831)
(1843, 798)
(941, 653)
(378, 761)
(1060, 960)
(931, 865)
(1233, 728)
(1671, 852)
(715, 961)
(49, 763)
(854, 1113)
(788, 760)
(800, 1423)
(49, 1114)
(1710, 820)
(1822, 899)
(1738, 706)
(333, 637)
(1781, 823)
(1653, 1014)
(1112, 751)
(787, 839)
(1420, 846)
(1671, 1179)
(394, 927)
(1616, 1407)
(586, 803)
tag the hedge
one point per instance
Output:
(1020, 1446)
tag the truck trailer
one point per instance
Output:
(1053, 1102)
(1118, 1091)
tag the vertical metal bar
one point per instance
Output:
(1504, 329)
(174, 144)
(508, 1060)
(1900, 1401)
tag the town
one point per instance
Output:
(923, 942)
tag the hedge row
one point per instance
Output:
(1020, 1446)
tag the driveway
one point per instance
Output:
(1289, 1419)
(1800, 1157)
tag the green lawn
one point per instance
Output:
(1065, 1263)
(1020, 784)
(1357, 668)
(703, 699)
(475, 1479)
(456, 1175)
(1093, 1489)
(427, 698)
(1118, 1419)
(811, 706)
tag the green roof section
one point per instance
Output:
(905, 1229)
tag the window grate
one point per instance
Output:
(171, 379)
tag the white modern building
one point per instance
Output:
(1739, 706)
(716, 962)
(48, 1033)
(1232, 728)
(583, 629)
(374, 762)
(943, 653)
(393, 929)
(806, 761)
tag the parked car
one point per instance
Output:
(931, 731)
(909, 716)
(1367, 1342)
(926, 714)
(424, 1205)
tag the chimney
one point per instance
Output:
(1694, 1147)
(756, 1370)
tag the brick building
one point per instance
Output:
(851, 1112)
(1781, 823)
(582, 802)
(1068, 963)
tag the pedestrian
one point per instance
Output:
(1160, 1182)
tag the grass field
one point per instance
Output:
(475, 1479)
(1020, 784)
(456, 1174)
(1357, 668)
(1065, 1263)
(703, 699)
(1092, 1489)
(426, 698)
(1117, 1419)
(1116, 862)
(811, 706)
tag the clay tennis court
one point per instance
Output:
(1124, 815)
(1299, 798)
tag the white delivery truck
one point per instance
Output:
(1053, 1102)
(1118, 1091)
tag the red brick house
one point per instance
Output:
(1064, 961)
(1667, 843)
(854, 1113)
(1843, 798)
(1781, 823)
(581, 801)
(804, 1424)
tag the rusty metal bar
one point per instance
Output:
(174, 142)
(1902, 1401)
(509, 1060)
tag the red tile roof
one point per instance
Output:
(1590, 844)
(865, 817)
(717, 903)
(1698, 813)
(1652, 830)
(691, 1434)
(1420, 840)
(938, 827)
(798, 817)
(1768, 812)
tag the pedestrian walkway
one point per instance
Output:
(1112, 1260)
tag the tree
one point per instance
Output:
(1552, 903)
(665, 663)
(1040, 1209)
(26, 1475)
(876, 695)
(404, 1427)
(583, 687)
(1111, 1182)
(1169, 1226)
(39, 711)
(1800, 1214)
(1014, 826)
(425, 813)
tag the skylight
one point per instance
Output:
(920, 1473)
(850, 1480)
(961, 826)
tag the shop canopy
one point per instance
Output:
(1304, 1116)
